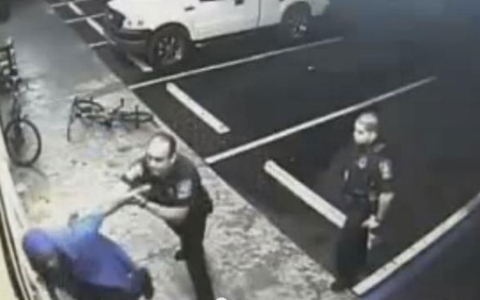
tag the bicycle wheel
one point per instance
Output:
(86, 110)
(87, 107)
(23, 142)
(137, 117)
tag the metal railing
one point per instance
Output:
(13, 224)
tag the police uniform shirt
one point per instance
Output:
(179, 187)
(369, 173)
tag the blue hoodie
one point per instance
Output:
(92, 257)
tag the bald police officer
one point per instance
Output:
(178, 197)
(367, 193)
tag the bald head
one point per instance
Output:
(162, 144)
(161, 153)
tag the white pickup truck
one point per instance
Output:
(164, 30)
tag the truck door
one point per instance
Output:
(213, 18)
(270, 12)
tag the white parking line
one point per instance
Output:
(312, 123)
(84, 18)
(406, 256)
(97, 27)
(55, 5)
(198, 110)
(235, 63)
(99, 44)
(76, 9)
(144, 67)
(303, 192)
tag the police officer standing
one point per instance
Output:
(367, 193)
(178, 197)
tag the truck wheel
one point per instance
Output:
(168, 47)
(296, 23)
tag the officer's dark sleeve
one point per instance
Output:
(385, 175)
(134, 175)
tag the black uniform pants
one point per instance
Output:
(351, 249)
(191, 236)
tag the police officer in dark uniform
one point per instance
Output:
(178, 197)
(367, 194)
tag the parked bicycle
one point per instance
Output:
(22, 136)
(90, 111)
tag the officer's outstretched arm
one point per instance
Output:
(124, 198)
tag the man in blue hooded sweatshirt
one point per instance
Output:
(80, 261)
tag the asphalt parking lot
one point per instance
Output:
(260, 112)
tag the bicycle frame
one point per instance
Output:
(86, 109)
(16, 110)
(112, 115)
(107, 116)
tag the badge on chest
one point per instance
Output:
(362, 162)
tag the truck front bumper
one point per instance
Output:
(131, 41)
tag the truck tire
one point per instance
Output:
(4, 10)
(168, 47)
(296, 23)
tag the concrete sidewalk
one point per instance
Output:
(248, 258)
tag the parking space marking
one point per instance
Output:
(308, 196)
(237, 62)
(99, 44)
(408, 255)
(75, 9)
(67, 3)
(198, 110)
(97, 27)
(84, 18)
(315, 122)
(144, 67)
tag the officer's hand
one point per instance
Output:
(372, 240)
(131, 196)
(139, 200)
(371, 223)
(141, 189)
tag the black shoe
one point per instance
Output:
(147, 285)
(340, 286)
(179, 255)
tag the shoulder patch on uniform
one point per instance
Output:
(385, 167)
(184, 189)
